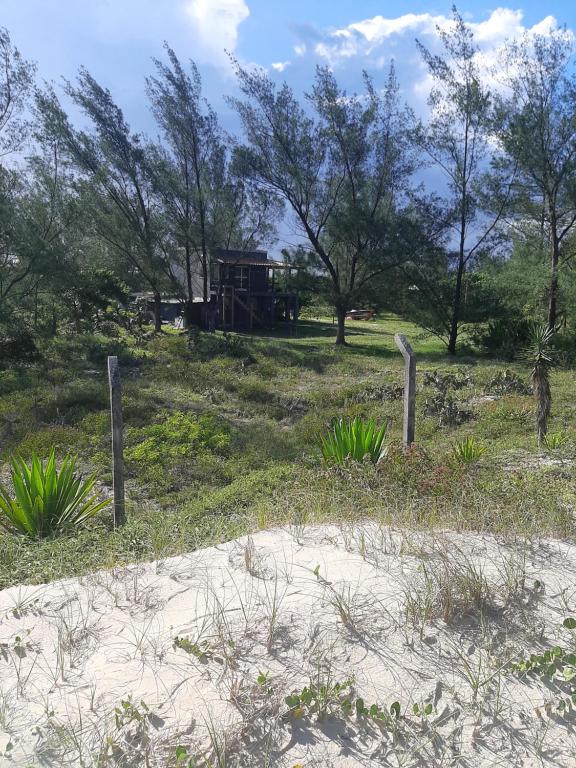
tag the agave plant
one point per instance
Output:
(468, 451)
(542, 357)
(353, 439)
(47, 501)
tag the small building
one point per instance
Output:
(243, 294)
(243, 289)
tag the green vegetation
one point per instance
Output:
(469, 450)
(46, 500)
(356, 439)
(216, 447)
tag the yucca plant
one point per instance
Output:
(542, 357)
(468, 451)
(354, 439)
(47, 501)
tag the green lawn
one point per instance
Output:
(223, 438)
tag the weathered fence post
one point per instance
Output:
(117, 449)
(409, 387)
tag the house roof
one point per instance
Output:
(230, 254)
(247, 258)
(254, 263)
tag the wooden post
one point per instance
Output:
(409, 387)
(117, 450)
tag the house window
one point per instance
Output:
(242, 278)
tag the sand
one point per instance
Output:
(91, 674)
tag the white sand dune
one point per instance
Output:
(262, 618)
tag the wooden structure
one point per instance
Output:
(409, 388)
(117, 441)
(243, 292)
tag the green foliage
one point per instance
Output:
(320, 699)
(354, 439)
(47, 501)
(503, 336)
(554, 441)
(468, 451)
(176, 435)
(201, 650)
(556, 664)
(335, 699)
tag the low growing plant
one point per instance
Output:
(468, 451)
(47, 501)
(555, 440)
(354, 439)
(556, 664)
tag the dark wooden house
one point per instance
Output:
(244, 293)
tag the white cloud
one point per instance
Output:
(216, 23)
(280, 66)
(300, 49)
(378, 39)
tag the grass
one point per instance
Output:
(221, 442)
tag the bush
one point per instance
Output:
(47, 501)
(17, 345)
(177, 435)
(505, 337)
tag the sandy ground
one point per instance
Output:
(91, 673)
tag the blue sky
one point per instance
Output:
(115, 39)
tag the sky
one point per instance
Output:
(116, 40)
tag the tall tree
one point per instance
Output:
(538, 134)
(206, 197)
(456, 140)
(342, 165)
(115, 163)
(194, 169)
(16, 81)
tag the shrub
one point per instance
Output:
(17, 345)
(181, 434)
(47, 501)
(353, 439)
(503, 336)
(505, 383)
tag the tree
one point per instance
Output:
(16, 81)
(342, 165)
(206, 198)
(538, 134)
(191, 173)
(456, 140)
(115, 165)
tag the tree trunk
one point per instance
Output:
(553, 292)
(456, 307)
(157, 312)
(341, 332)
(187, 315)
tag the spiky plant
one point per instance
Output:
(354, 439)
(541, 355)
(46, 500)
